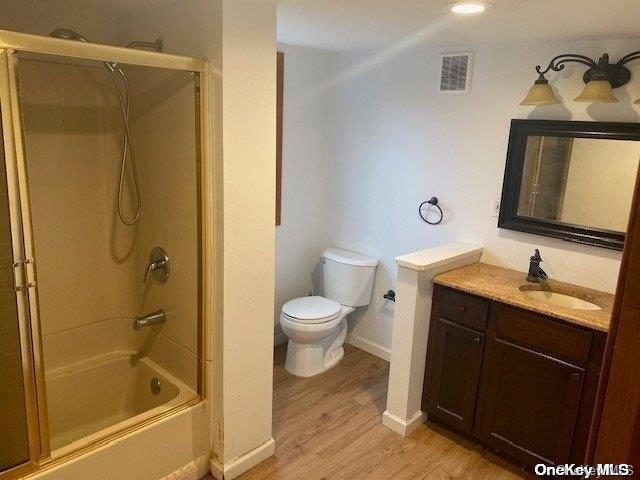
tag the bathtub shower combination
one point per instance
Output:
(100, 243)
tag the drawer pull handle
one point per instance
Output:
(477, 340)
(462, 308)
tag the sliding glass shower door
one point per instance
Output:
(18, 425)
(80, 361)
(14, 441)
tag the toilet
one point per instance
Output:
(317, 326)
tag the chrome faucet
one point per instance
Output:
(158, 266)
(536, 274)
(155, 318)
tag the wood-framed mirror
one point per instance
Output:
(571, 180)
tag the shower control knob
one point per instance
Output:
(158, 267)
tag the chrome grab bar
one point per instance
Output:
(156, 318)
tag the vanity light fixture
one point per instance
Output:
(468, 8)
(600, 79)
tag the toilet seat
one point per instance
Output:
(311, 310)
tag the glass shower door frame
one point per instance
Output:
(11, 44)
(22, 281)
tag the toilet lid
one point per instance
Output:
(312, 309)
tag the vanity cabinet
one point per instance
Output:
(519, 383)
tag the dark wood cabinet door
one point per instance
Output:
(454, 374)
(529, 403)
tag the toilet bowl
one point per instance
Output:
(315, 344)
(316, 326)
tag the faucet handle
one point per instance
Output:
(159, 264)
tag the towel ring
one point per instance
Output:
(433, 201)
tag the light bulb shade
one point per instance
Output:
(540, 94)
(597, 91)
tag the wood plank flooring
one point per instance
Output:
(329, 427)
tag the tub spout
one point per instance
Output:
(155, 318)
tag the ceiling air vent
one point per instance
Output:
(455, 72)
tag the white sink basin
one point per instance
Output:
(560, 300)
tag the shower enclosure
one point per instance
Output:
(101, 207)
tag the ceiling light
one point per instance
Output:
(601, 78)
(467, 8)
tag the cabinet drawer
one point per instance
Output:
(463, 308)
(535, 331)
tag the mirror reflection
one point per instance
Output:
(586, 182)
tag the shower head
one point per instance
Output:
(67, 34)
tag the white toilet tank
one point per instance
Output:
(348, 277)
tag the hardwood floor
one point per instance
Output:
(329, 427)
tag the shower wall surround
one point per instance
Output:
(164, 122)
(90, 265)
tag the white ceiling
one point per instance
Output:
(367, 24)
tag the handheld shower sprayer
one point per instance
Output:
(124, 95)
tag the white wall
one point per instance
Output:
(299, 237)
(248, 182)
(393, 142)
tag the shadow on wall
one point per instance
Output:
(355, 318)
(316, 279)
(387, 307)
(384, 281)
(122, 240)
(624, 111)
(557, 112)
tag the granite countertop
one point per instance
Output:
(503, 285)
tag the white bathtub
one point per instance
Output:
(101, 395)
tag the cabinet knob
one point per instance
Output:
(477, 340)
(462, 308)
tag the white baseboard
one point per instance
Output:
(195, 470)
(369, 346)
(403, 427)
(238, 466)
